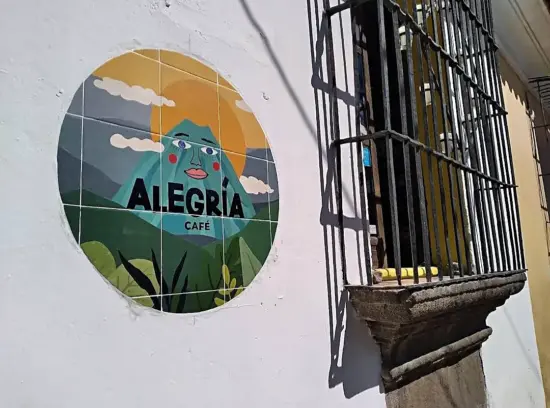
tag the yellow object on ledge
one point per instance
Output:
(389, 274)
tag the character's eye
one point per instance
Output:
(209, 151)
(181, 144)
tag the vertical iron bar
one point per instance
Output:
(475, 155)
(480, 120)
(335, 119)
(360, 168)
(501, 256)
(504, 193)
(443, 108)
(542, 110)
(459, 85)
(406, 151)
(389, 140)
(429, 158)
(418, 159)
(431, 81)
(512, 178)
(465, 209)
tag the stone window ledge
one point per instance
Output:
(421, 328)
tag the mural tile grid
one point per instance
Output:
(181, 220)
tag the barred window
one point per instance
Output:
(441, 192)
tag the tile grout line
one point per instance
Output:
(161, 136)
(113, 124)
(187, 72)
(185, 293)
(81, 165)
(161, 283)
(221, 183)
(169, 213)
(224, 150)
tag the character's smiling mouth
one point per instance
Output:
(198, 174)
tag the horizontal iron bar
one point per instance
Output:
(426, 37)
(438, 48)
(540, 79)
(406, 139)
(344, 6)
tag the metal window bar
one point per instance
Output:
(441, 136)
(540, 130)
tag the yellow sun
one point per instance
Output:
(193, 91)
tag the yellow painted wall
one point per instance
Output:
(532, 216)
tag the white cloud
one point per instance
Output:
(243, 106)
(254, 186)
(136, 93)
(136, 144)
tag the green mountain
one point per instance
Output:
(193, 159)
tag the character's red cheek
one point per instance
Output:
(216, 166)
(172, 158)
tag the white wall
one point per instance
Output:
(69, 340)
(510, 356)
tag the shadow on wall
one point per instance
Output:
(354, 356)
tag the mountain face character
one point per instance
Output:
(195, 177)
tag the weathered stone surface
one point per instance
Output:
(421, 328)
(459, 385)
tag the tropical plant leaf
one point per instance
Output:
(158, 274)
(177, 273)
(226, 275)
(250, 266)
(145, 301)
(232, 255)
(100, 257)
(183, 296)
(219, 302)
(233, 283)
(124, 282)
(141, 279)
(199, 301)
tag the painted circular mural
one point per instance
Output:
(167, 181)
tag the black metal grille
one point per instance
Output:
(541, 85)
(435, 120)
(540, 143)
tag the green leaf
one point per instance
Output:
(249, 263)
(158, 274)
(124, 282)
(182, 298)
(226, 275)
(100, 256)
(219, 302)
(146, 301)
(177, 273)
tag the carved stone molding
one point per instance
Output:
(423, 327)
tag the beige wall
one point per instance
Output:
(533, 217)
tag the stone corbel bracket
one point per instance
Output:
(421, 328)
